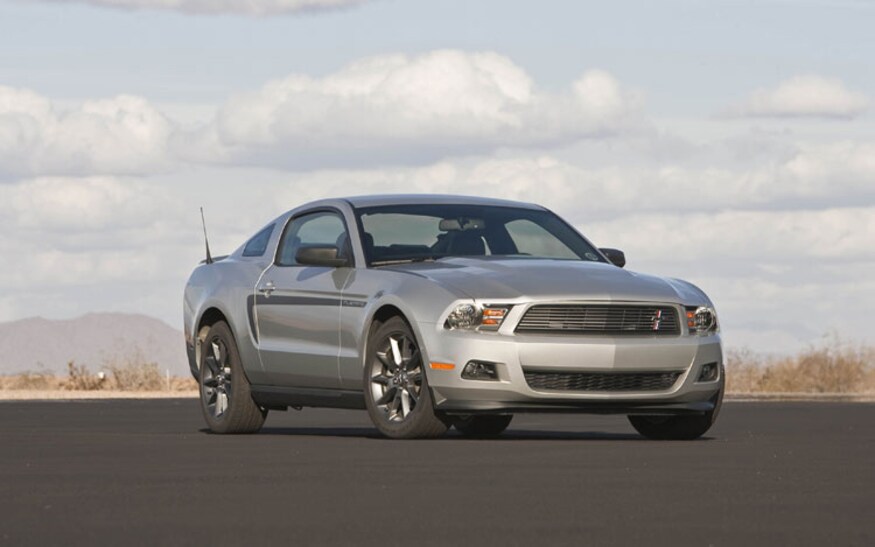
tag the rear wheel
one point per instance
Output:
(396, 389)
(680, 428)
(226, 400)
(482, 425)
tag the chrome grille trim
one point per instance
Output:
(603, 319)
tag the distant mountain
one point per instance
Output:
(94, 340)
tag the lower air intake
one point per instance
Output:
(601, 381)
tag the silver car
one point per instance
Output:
(445, 311)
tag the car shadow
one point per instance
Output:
(510, 435)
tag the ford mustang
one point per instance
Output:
(433, 312)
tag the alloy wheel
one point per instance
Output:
(216, 379)
(396, 377)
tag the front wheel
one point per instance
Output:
(226, 400)
(396, 389)
(680, 428)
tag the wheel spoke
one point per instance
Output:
(211, 363)
(217, 353)
(412, 362)
(388, 396)
(384, 359)
(210, 382)
(396, 404)
(412, 394)
(405, 403)
(381, 379)
(221, 404)
(415, 377)
(396, 351)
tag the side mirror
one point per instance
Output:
(320, 255)
(616, 256)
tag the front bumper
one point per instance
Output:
(513, 354)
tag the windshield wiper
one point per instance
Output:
(410, 260)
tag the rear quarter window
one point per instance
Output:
(257, 246)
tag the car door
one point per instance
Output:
(298, 306)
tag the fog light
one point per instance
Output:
(710, 372)
(478, 370)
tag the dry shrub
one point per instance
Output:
(33, 381)
(131, 372)
(869, 381)
(833, 367)
(186, 383)
(744, 371)
(79, 378)
(137, 377)
(127, 371)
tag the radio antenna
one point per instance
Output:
(206, 239)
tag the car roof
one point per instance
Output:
(424, 199)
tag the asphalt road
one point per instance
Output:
(145, 472)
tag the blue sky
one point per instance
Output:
(690, 56)
(728, 142)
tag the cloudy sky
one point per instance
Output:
(728, 142)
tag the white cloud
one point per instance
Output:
(801, 176)
(804, 97)
(122, 135)
(396, 109)
(388, 110)
(752, 236)
(76, 206)
(94, 243)
(243, 7)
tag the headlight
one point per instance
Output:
(464, 316)
(471, 317)
(702, 320)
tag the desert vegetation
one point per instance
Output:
(833, 366)
(128, 371)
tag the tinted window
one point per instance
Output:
(423, 232)
(534, 240)
(257, 246)
(323, 228)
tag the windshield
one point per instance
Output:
(408, 233)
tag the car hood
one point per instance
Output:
(535, 279)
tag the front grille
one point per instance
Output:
(602, 381)
(600, 319)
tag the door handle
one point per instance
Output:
(267, 289)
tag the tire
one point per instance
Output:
(680, 428)
(487, 425)
(226, 400)
(396, 388)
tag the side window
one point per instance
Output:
(323, 228)
(257, 246)
(532, 239)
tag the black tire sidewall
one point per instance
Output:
(682, 428)
(242, 414)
